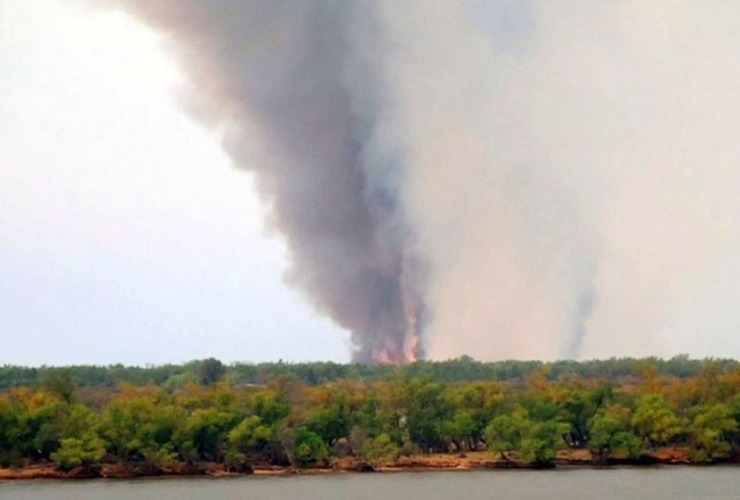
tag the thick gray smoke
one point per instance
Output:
(530, 179)
(305, 78)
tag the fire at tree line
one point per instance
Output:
(315, 415)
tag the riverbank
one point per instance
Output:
(469, 461)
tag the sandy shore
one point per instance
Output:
(469, 461)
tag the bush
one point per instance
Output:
(86, 450)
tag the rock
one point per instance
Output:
(365, 467)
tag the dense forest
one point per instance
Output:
(463, 369)
(313, 414)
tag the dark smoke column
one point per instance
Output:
(307, 77)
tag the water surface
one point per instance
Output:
(660, 483)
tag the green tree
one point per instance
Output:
(610, 435)
(330, 423)
(84, 450)
(121, 424)
(380, 450)
(710, 433)
(309, 447)
(10, 431)
(60, 383)
(734, 407)
(536, 441)
(210, 371)
(79, 419)
(425, 411)
(42, 429)
(139, 426)
(203, 436)
(576, 408)
(655, 421)
(541, 442)
(157, 435)
(250, 435)
(460, 429)
(505, 433)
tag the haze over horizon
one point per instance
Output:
(570, 188)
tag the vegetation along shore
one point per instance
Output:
(277, 418)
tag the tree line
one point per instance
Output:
(463, 369)
(208, 412)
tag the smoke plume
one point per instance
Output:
(494, 178)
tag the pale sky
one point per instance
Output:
(125, 234)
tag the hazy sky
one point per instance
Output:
(600, 195)
(125, 234)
